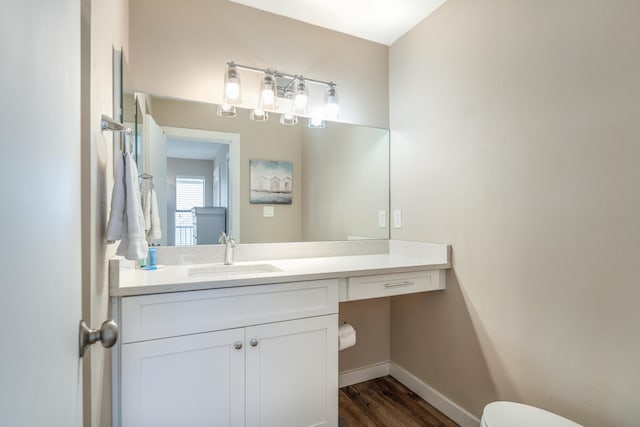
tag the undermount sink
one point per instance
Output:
(223, 270)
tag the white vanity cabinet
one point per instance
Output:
(292, 373)
(192, 380)
(264, 355)
(388, 285)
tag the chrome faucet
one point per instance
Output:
(228, 242)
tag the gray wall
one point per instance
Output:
(515, 138)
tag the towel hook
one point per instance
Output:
(123, 142)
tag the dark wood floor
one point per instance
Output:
(384, 402)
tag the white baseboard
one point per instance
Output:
(413, 383)
(442, 403)
(355, 376)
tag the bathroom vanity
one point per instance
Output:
(254, 343)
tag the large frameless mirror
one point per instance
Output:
(336, 177)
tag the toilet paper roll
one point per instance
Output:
(346, 336)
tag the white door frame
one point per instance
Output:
(233, 139)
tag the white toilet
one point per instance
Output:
(511, 414)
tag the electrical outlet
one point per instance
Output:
(397, 219)
(382, 219)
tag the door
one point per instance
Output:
(40, 269)
(155, 155)
(292, 373)
(192, 380)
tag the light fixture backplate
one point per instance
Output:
(286, 86)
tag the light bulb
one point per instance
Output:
(231, 85)
(232, 90)
(268, 93)
(332, 110)
(268, 96)
(331, 106)
(300, 99)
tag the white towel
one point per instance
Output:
(146, 205)
(115, 227)
(155, 232)
(133, 244)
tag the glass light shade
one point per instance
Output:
(259, 115)
(232, 94)
(316, 122)
(331, 106)
(300, 98)
(288, 119)
(268, 92)
(226, 110)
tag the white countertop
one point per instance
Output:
(177, 278)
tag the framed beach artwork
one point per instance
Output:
(271, 182)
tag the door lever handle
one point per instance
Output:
(107, 335)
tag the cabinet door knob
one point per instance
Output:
(253, 342)
(237, 345)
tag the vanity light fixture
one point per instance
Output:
(273, 85)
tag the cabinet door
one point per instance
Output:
(292, 373)
(193, 380)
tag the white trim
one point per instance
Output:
(115, 361)
(233, 139)
(428, 393)
(358, 375)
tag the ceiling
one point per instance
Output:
(381, 21)
(191, 149)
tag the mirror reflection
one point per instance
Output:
(336, 178)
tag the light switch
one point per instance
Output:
(382, 219)
(397, 219)
(268, 211)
